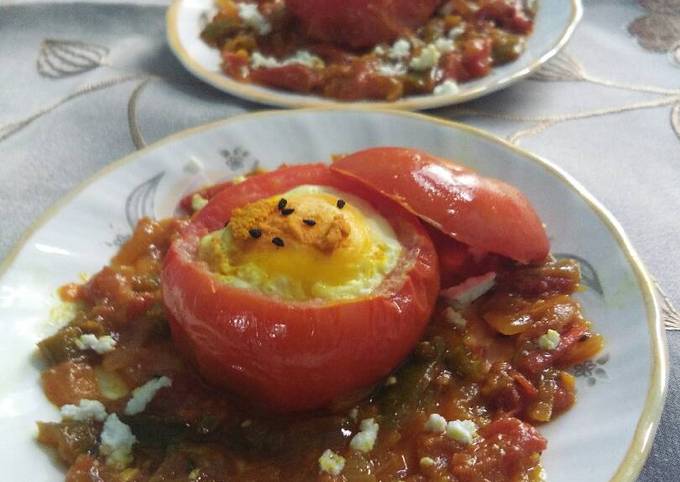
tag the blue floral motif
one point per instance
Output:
(591, 370)
(236, 158)
(141, 201)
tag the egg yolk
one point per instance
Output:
(310, 243)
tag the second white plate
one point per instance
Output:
(554, 24)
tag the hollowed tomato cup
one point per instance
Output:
(290, 355)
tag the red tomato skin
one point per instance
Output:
(482, 212)
(456, 261)
(206, 193)
(508, 14)
(360, 23)
(292, 356)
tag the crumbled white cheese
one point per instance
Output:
(391, 380)
(365, 439)
(198, 202)
(331, 463)
(453, 317)
(116, 442)
(303, 57)
(456, 32)
(427, 462)
(141, 396)
(436, 423)
(257, 61)
(379, 50)
(84, 411)
(391, 70)
(549, 341)
(399, 50)
(426, 59)
(463, 431)
(101, 345)
(444, 45)
(251, 16)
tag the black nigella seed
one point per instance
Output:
(282, 203)
(584, 337)
(309, 222)
(278, 241)
(340, 204)
(255, 233)
(287, 211)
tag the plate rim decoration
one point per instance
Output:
(281, 98)
(648, 420)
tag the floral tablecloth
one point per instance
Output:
(84, 84)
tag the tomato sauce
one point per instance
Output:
(462, 41)
(487, 368)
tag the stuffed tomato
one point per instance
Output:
(316, 287)
(361, 23)
(300, 286)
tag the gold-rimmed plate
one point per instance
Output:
(606, 436)
(554, 24)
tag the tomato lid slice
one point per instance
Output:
(482, 212)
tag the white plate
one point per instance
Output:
(554, 24)
(606, 435)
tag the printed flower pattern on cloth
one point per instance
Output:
(659, 30)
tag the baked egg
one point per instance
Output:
(312, 242)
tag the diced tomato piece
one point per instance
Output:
(506, 452)
(358, 82)
(70, 382)
(295, 77)
(477, 58)
(534, 362)
(116, 299)
(452, 67)
(235, 64)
